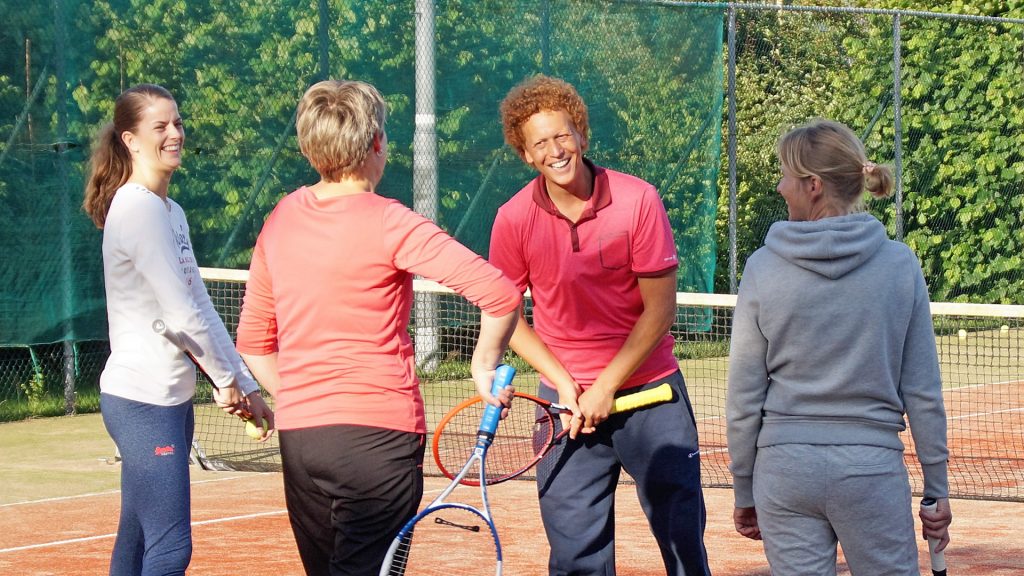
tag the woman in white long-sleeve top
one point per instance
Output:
(146, 388)
(832, 346)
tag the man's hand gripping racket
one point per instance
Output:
(528, 433)
(452, 538)
(244, 408)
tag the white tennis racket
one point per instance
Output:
(938, 559)
(454, 538)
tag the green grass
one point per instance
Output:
(52, 457)
(32, 379)
(696, 350)
(14, 409)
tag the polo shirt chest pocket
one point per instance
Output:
(614, 250)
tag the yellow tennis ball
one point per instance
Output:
(1004, 329)
(962, 334)
(252, 430)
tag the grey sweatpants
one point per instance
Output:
(808, 497)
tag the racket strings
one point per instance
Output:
(522, 437)
(455, 438)
(447, 542)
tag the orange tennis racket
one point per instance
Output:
(527, 434)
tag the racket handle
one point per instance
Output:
(636, 400)
(502, 378)
(159, 327)
(938, 559)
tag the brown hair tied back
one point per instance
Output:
(111, 164)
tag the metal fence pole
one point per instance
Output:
(897, 106)
(424, 172)
(732, 150)
(60, 159)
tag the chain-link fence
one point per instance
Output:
(940, 97)
(690, 96)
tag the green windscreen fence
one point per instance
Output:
(936, 96)
(651, 75)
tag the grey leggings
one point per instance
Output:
(810, 497)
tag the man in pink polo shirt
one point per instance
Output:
(595, 249)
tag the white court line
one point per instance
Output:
(706, 418)
(982, 385)
(60, 498)
(977, 414)
(242, 517)
(108, 492)
(106, 536)
(437, 490)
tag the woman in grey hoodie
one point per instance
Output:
(832, 345)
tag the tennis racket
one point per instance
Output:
(938, 559)
(160, 327)
(454, 538)
(528, 433)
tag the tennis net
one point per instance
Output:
(979, 350)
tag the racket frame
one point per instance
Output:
(160, 327)
(628, 402)
(485, 436)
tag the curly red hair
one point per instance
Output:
(537, 94)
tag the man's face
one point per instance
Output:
(555, 148)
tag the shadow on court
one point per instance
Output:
(240, 526)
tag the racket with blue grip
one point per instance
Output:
(452, 537)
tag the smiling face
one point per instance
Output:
(553, 146)
(156, 142)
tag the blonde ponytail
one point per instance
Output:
(832, 152)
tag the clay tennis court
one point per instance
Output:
(985, 435)
(66, 526)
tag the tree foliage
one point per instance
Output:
(652, 74)
(786, 70)
(963, 127)
(961, 119)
